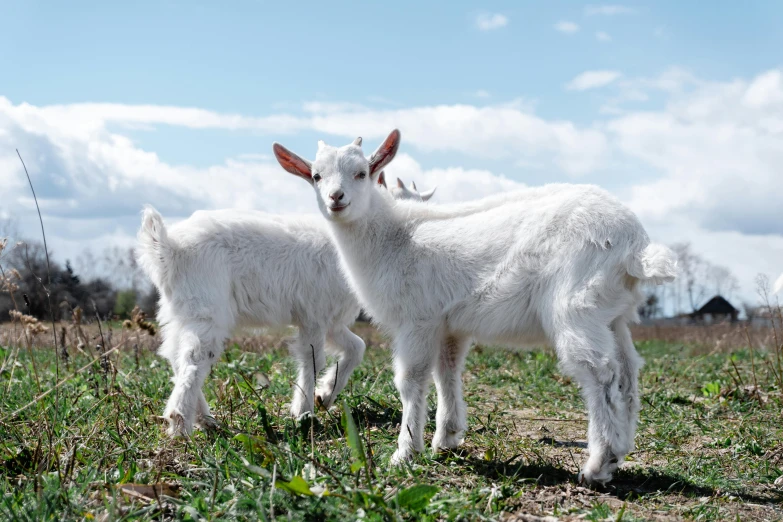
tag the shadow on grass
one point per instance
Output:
(643, 482)
(562, 443)
(627, 484)
(376, 414)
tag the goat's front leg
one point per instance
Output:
(308, 351)
(349, 349)
(450, 420)
(414, 357)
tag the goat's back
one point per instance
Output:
(479, 266)
(255, 268)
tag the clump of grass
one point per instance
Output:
(139, 321)
(31, 324)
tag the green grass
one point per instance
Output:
(705, 449)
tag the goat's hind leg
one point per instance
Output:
(630, 363)
(588, 354)
(349, 349)
(192, 358)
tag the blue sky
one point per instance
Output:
(670, 105)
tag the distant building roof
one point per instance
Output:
(716, 306)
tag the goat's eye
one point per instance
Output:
(361, 175)
(316, 177)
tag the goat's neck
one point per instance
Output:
(362, 241)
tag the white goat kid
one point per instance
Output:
(558, 263)
(403, 192)
(219, 269)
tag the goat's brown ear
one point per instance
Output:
(293, 163)
(382, 179)
(385, 153)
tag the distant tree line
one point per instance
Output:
(109, 285)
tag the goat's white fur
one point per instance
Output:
(558, 263)
(220, 269)
(778, 285)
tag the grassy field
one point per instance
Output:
(708, 447)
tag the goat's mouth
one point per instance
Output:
(338, 208)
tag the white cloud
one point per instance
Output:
(608, 10)
(566, 27)
(332, 107)
(454, 184)
(490, 22)
(717, 156)
(481, 93)
(496, 132)
(90, 181)
(766, 90)
(85, 119)
(602, 36)
(592, 80)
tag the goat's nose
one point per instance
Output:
(337, 195)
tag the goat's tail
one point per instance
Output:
(155, 248)
(656, 263)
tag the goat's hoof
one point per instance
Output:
(324, 398)
(591, 478)
(447, 442)
(303, 419)
(207, 423)
(178, 427)
(400, 456)
(306, 422)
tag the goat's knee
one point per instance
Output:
(350, 352)
(308, 351)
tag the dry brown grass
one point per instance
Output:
(706, 338)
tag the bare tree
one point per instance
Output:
(693, 275)
(87, 265)
(119, 266)
(751, 311)
(698, 280)
(9, 228)
(721, 280)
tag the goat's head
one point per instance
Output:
(410, 192)
(342, 177)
